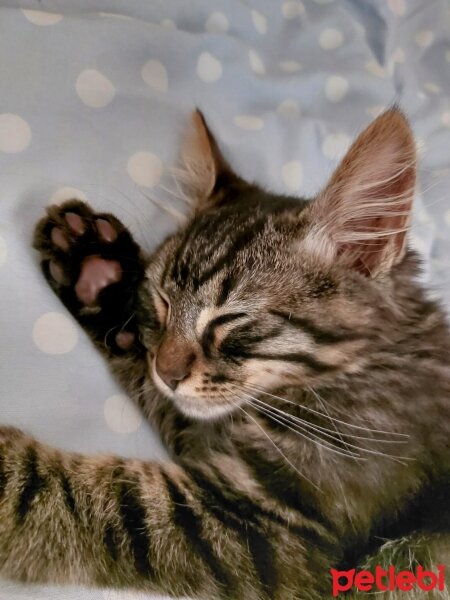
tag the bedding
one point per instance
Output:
(94, 97)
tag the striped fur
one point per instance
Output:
(312, 419)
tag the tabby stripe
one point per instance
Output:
(111, 542)
(303, 531)
(186, 519)
(296, 357)
(3, 478)
(241, 241)
(208, 333)
(282, 487)
(321, 336)
(238, 341)
(227, 287)
(237, 516)
(32, 486)
(68, 494)
(179, 272)
(133, 516)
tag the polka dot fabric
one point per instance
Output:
(93, 104)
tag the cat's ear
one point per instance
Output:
(362, 216)
(203, 165)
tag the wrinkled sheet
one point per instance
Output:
(94, 96)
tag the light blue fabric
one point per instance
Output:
(97, 101)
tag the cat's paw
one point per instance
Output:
(92, 263)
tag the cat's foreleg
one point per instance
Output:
(107, 521)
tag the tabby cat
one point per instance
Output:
(294, 367)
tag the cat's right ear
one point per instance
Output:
(203, 168)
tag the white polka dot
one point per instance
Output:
(424, 38)
(67, 193)
(256, 62)
(55, 333)
(374, 68)
(376, 110)
(168, 24)
(445, 118)
(249, 122)
(121, 414)
(290, 66)
(39, 17)
(288, 108)
(398, 55)
(336, 88)
(259, 22)
(431, 87)
(217, 23)
(292, 9)
(336, 145)
(155, 75)
(209, 69)
(15, 133)
(398, 7)
(447, 55)
(292, 174)
(145, 169)
(3, 251)
(94, 89)
(447, 217)
(330, 39)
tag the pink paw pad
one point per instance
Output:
(106, 230)
(59, 238)
(56, 271)
(96, 274)
(124, 339)
(76, 223)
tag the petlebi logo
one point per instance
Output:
(384, 580)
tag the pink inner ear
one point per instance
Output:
(365, 209)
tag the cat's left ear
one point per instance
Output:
(362, 216)
(203, 165)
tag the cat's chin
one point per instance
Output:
(196, 409)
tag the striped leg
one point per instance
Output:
(105, 521)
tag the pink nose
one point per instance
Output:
(174, 361)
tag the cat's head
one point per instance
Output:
(267, 291)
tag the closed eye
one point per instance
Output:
(162, 306)
(209, 333)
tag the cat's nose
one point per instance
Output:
(174, 361)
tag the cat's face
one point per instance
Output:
(261, 291)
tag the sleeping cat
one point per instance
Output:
(294, 368)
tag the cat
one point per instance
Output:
(294, 367)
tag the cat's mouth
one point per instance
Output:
(199, 407)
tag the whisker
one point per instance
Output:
(329, 418)
(316, 412)
(321, 429)
(398, 459)
(276, 447)
(297, 430)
